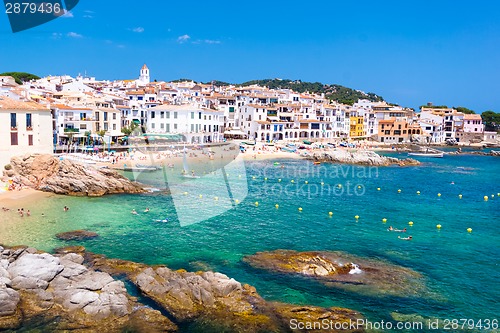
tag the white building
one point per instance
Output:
(196, 124)
(25, 127)
(144, 77)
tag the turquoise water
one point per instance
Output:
(460, 270)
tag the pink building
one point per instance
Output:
(473, 123)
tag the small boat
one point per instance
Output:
(423, 154)
(316, 162)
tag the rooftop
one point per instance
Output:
(11, 104)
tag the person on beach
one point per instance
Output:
(28, 213)
(405, 238)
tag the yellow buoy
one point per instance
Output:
(410, 223)
(330, 213)
(469, 229)
(300, 209)
(322, 183)
(418, 192)
(384, 220)
(216, 198)
(277, 206)
(340, 185)
(498, 194)
(399, 191)
(279, 180)
(253, 177)
(236, 201)
(460, 196)
(485, 198)
(492, 196)
(378, 188)
(359, 186)
(265, 178)
(438, 226)
(292, 181)
(256, 203)
(356, 217)
(227, 175)
(201, 196)
(185, 193)
(306, 182)
(239, 176)
(439, 194)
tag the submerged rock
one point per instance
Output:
(76, 235)
(342, 270)
(361, 157)
(49, 174)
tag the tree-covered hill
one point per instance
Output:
(21, 77)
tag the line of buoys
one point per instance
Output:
(330, 213)
(339, 185)
(378, 188)
(201, 196)
(460, 196)
(356, 217)
(265, 178)
(322, 183)
(253, 177)
(256, 203)
(384, 220)
(418, 192)
(306, 182)
(359, 186)
(498, 194)
(469, 229)
(185, 193)
(216, 198)
(485, 198)
(410, 223)
(277, 206)
(439, 194)
(300, 209)
(399, 190)
(438, 226)
(492, 196)
(236, 201)
(279, 180)
(292, 181)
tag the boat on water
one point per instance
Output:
(427, 154)
(316, 162)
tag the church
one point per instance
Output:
(144, 77)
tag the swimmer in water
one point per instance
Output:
(398, 230)
(164, 221)
(390, 228)
(133, 212)
(405, 238)
(146, 210)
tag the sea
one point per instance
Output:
(213, 222)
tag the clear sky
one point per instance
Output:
(410, 52)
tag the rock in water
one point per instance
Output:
(76, 235)
(361, 157)
(49, 174)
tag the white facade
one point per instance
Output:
(196, 124)
(24, 128)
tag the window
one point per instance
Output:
(162, 125)
(105, 116)
(192, 115)
(30, 140)
(152, 115)
(192, 125)
(114, 115)
(28, 121)
(83, 126)
(13, 121)
(162, 115)
(13, 139)
(114, 127)
(97, 116)
(153, 126)
(175, 126)
(105, 126)
(175, 115)
(168, 115)
(140, 98)
(168, 128)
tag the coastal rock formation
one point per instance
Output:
(48, 173)
(76, 235)
(341, 270)
(361, 157)
(55, 293)
(83, 292)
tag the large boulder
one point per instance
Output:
(50, 174)
(76, 235)
(360, 157)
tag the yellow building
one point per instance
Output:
(357, 127)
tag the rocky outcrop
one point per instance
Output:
(58, 293)
(361, 157)
(76, 235)
(343, 271)
(50, 174)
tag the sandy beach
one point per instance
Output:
(23, 198)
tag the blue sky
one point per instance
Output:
(410, 52)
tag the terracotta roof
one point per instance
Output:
(67, 107)
(11, 104)
(472, 117)
(144, 67)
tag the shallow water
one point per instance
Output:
(460, 269)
